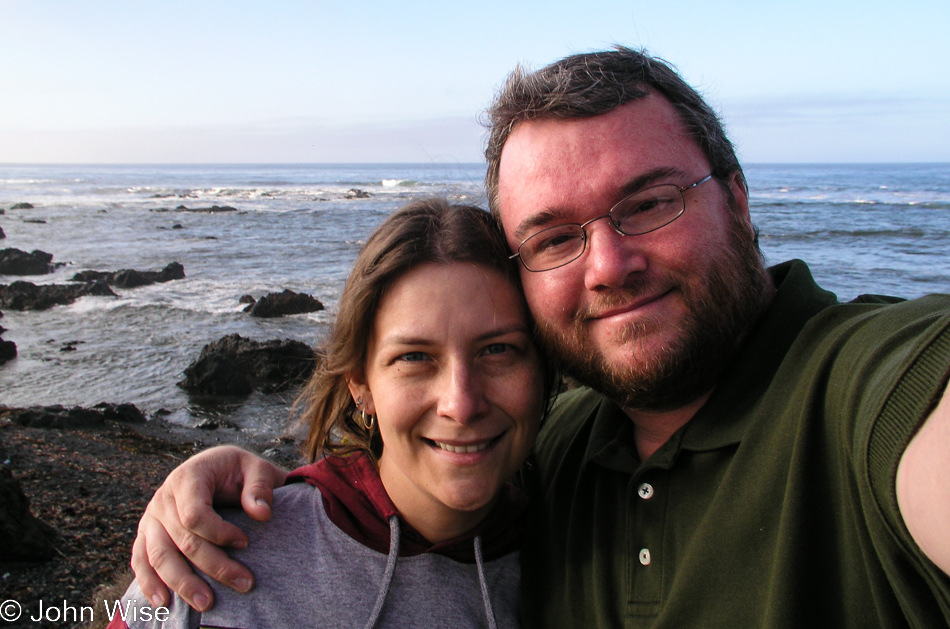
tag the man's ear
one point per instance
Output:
(359, 389)
(740, 200)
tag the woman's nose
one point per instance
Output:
(462, 397)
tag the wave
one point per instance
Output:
(910, 232)
(764, 203)
(21, 182)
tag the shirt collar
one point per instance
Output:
(725, 417)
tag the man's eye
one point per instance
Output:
(545, 243)
(646, 205)
(658, 203)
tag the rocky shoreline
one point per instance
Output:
(75, 481)
(89, 483)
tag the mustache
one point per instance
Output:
(632, 290)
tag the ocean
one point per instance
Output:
(863, 228)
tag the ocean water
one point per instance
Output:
(881, 229)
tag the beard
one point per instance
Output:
(721, 309)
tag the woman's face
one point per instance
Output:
(455, 383)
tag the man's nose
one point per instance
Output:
(610, 257)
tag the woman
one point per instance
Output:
(428, 401)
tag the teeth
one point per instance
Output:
(463, 449)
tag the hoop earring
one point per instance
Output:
(368, 424)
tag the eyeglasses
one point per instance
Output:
(641, 213)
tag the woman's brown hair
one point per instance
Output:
(425, 231)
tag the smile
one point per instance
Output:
(630, 307)
(464, 449)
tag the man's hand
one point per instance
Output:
(180, 520)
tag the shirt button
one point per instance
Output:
(646, 491)
(645, 556)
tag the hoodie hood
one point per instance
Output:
(357, 503)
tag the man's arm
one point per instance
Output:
(923, 485)
(180, 516)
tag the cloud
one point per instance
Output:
(792, 129)
(455, 139)
(796, 110)
(835, 129)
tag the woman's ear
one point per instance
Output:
(359, 389)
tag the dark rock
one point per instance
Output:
(284, 452)
(38, 221)
(7, 350)
(178, 226)
(59, 416)
(22, 206)
(356, 193)
(124, 413)
(235, 365)
(214, 209)
(2, 235)
(91, 276)
(17, 262)
(247, 299)
(130, 278)
(29, 296)
(215, 424)
(174, 271)
(285, 303)
(22, 536)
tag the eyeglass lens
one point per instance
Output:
(640, 213)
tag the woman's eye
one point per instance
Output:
(413, 356)
(497, 348)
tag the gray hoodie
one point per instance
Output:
(309, 573)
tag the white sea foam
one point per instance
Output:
(296, 229)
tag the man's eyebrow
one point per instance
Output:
(559, 216)
(647, 179)
(540, 219)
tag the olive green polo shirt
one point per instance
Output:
(775, 506)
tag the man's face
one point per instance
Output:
(650, 319)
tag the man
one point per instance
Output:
(750, 452)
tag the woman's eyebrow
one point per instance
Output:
(420, 341)
(398, 339)
(502, 331)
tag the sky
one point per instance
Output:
(294, 81)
